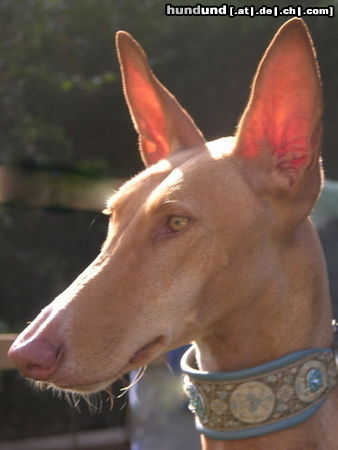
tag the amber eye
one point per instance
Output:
(177, 223)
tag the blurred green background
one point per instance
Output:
(60, 94)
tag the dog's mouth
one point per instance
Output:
(140, 358)
(145, 353)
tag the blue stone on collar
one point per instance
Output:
(314, 379)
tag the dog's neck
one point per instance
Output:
(293, 314)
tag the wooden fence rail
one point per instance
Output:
(5, 342)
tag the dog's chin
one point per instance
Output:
(143, 356)
(81, 389)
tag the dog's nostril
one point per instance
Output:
(37, 359)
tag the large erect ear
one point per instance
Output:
(280, 131)
(164, 127)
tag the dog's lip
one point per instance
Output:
(142, 354)
(139, 358)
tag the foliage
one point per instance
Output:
(60, 97)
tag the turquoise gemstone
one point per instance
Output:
(196, 400)
(314, 380)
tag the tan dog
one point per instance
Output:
(211, 243)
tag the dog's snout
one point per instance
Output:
(37, 358)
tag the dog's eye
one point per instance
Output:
(177, 223)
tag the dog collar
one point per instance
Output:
(262, 399)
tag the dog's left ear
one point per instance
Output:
(164, 127)
(280, 132)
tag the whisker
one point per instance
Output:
(141, 371)
(93, 221)
(110, 397)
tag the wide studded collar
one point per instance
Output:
(262, 399)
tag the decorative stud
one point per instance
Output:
(252, 402)
(196, 404)
(311, 381)
(314, 380)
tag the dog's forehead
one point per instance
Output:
(140, 185)
(166, 176)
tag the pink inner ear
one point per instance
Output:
(287, 142)
(291, 143)
(148, 114)
(280, 123)
(164, 127)
(153, 151)
(283, 117)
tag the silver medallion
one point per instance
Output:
(252, 402)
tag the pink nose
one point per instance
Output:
(37, 359)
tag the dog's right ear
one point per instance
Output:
(164, 127)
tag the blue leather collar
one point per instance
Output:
(262, 399)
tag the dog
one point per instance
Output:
(212, 244)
